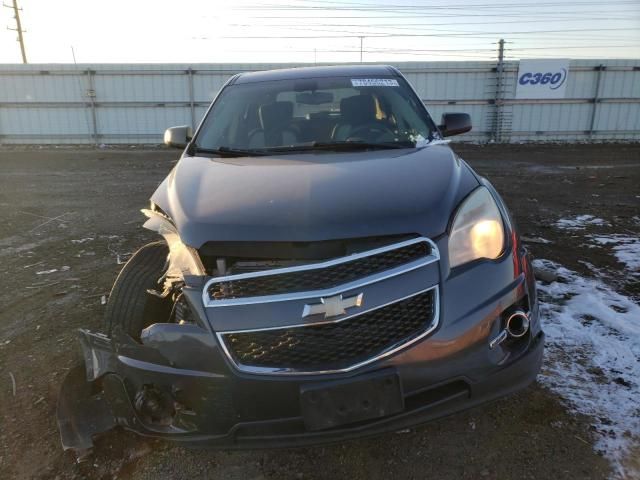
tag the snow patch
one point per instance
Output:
(580, 222)
(82, 240)
(592, 357)
(540, 240)
(625, 247)
(47, 272)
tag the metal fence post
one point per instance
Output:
(192, 104)
(497, 125)
(596, 98)
(91, 93)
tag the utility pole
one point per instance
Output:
(500, 66)
(361, 39)
(16, 12)
(497, 128)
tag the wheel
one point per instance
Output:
(130, 306)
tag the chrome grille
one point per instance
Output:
(335, 346)
(317, 345)
(318, 276)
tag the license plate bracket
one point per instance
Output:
(331, 404)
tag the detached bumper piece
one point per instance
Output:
(81, 414)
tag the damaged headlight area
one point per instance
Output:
(183, 260)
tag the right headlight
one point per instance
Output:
(477, 230)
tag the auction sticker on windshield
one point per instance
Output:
(374, 82)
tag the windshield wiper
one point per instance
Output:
(347, 146)
(228, 152)
(302, 147)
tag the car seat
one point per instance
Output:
(355, 112)
(275, 122)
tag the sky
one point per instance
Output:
(318, 31)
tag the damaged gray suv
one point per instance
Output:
(328, 268)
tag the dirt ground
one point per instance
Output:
(76, 211)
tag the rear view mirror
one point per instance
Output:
(314, 98)
(178, 137)
(455, 124)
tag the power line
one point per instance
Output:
(442, 34)
(413, 26)
(455, 14)
(408, 8)
(16, 15)
(426, 50)
(415, 5)
(439, 11)
(339, 28)
(572, 47)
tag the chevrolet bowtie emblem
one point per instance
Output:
(333, 306)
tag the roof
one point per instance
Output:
(316, 72)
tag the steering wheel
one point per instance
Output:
(371, 130)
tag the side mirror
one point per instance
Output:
(455, 124)
(178, 137)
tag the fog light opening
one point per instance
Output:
(154, 405)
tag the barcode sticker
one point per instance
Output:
(374, 82)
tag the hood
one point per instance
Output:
(315, 196)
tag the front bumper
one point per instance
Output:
(198, 395)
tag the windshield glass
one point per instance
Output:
(320, 112)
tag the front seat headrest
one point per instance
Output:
(358, 110)
(275, 115)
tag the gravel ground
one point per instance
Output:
(68, 215)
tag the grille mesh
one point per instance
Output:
(318, 279)
(333, 346)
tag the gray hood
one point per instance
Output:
(315, 196)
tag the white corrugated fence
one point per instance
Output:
(134, 103)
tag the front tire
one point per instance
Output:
(130, 306)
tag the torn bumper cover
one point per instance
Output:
(178, 384)
(121, 383)
(124, 383)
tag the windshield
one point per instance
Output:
(290, 115)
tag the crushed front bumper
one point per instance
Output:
(82, 414)
(181, 384)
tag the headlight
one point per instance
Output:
(477, 231)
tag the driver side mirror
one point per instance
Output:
(455, 124)
(178, 137)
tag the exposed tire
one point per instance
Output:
(130, 306)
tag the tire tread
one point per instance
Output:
(129, 304)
